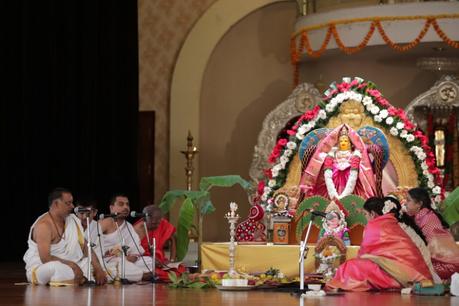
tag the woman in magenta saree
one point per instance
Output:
(387, 259)
(443, 249)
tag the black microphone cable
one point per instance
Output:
(138, 250)
(102, 253)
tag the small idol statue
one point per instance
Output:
(335, 224)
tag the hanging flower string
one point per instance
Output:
(301, 37)
(380, 110)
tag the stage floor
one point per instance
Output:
(160, 294)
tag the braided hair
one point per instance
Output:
(404, 218)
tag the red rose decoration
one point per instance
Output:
(268, 173)
(282, 142)
(261, 187)
(392, 111)
(328, 162)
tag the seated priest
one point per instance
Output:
(119, 234)
(162, 232)
(57, 249)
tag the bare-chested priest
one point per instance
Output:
(116, 231)
(57, 250)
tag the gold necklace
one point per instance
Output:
(61, 236)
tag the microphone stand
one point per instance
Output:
(304, 253)
(124, 249)
(152, 247)
(90, 281)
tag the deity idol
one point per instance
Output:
(340, 166)
(335, 223)
(333, 240)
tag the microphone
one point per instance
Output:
(103, 216)
(319, 213)
(81, 210)
(135, 214)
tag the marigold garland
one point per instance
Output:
(352, 50)
(305, 45)
(443, 36)
(408, 46)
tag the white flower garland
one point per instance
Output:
(350, 184)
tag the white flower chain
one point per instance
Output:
(388, 206)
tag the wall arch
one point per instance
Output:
(189, 73)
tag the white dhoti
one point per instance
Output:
(144, 263)
(68, 248)
(111, 243)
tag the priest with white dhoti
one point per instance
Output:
(117, 232)
(56, 253)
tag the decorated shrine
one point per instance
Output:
(350, 146)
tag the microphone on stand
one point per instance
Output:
(135, 214)
(103, 216)
(319, 213)
(81, 210)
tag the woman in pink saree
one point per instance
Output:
(339, 167)
(387, 259)
(443, 249)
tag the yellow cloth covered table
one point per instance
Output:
(259, 258)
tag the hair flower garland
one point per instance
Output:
(388, 206)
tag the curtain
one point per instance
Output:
(69, 106)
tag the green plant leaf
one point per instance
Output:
(206, 205)
(185, 219)
(172, 196)
(172, 277)
(452, 198)
(197, 285)
(451, 207)
(223, 181)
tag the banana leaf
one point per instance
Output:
(451, 207)
(185, 220)
(223, 181)
(171, 197)
(205, 205)
(196, 202)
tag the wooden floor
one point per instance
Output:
(159, 294)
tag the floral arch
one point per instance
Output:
(376, 107)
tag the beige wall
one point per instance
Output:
(395, 74)
(163, 27)
(248, 74)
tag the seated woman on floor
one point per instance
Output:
(443, 249)
(387, 259)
